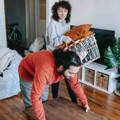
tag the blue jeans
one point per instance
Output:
(26, 87)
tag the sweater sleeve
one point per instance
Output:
(78, 90)
(36, 93)
(53, 39)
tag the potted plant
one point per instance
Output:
(112, 59)
(112, 55)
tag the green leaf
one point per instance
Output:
(116, 50)
(109, 58)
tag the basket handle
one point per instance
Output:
(66, 46)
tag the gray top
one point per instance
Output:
(55, 33)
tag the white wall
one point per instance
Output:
(3, 42)
(104, 14)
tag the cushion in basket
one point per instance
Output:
(79, 32)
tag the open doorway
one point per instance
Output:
(15, 23)
(28, 17)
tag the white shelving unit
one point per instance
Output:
(96, 76)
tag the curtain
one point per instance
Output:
(30, 22)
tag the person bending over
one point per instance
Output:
(46, 67)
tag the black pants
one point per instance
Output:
(55, 88)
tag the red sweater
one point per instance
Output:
(39, 68)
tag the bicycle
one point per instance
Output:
(14, 36)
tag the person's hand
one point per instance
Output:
(87, 108)
(67, 40)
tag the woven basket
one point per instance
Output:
(86, 48)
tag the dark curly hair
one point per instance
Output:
(63, 4)
(66, 58)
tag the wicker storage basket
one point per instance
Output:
(86, 48)
(102, 80)
(89, 75)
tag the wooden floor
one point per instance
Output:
(101, 103)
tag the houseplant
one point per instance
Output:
(112, 59)
(112, 56)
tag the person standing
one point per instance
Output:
(59, 24)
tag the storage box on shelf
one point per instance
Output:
(97, 76)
